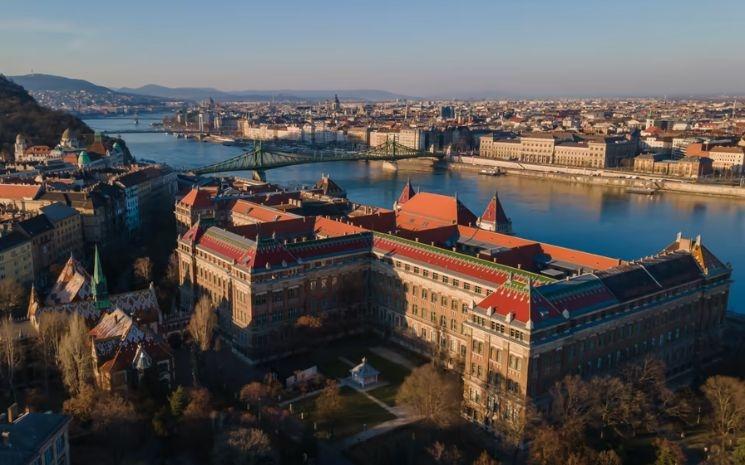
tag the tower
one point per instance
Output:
(100, 290)
(20, 148)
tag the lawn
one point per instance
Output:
(358, 411)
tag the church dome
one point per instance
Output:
(83, 159)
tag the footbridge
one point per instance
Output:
(260, 159)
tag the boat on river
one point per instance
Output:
(491, 172)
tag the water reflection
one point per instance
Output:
(598, 219)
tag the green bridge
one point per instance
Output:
(260, 159)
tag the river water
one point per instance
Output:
(597, 219)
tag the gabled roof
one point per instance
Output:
(73, 284)
(517, 300)
(406, 194)
(426, 210)
(494, 213)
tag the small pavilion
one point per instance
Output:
(364, 374)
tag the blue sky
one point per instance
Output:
(422, 48)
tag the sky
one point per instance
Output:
(425, 48)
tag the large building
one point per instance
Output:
(560, 149)
(34, 439)
(512, 315)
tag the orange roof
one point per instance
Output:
(19, 191)
(197, 198)
(258, 212)
(426, 210)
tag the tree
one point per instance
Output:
(254, 393)
(329, 403)
(12, 296)
(485, 459)
(115, 422)
(203, 323)
(143, 271)
(52, 326)
(443, 455)
(10, 351)
(612, 405)
(201, 328)
(75, 355)
(178, 401)
(571, 407)
(738, 455)
(82, 405)
(608, 457)
(432, 394)
(726, 395)
(243, 446)
(669, 453)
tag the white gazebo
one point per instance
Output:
(364, 374)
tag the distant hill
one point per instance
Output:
(201, 93)
(78, 95)
(40, 82)
(20, 113)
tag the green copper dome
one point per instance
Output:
(84, 159)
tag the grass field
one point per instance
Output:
(358, 411)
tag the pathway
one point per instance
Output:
(376, 430)
(393, 356)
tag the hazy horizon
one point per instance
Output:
(422, 49)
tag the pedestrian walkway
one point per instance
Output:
(376, 430)
(393, 356)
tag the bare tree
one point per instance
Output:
(329, 402)
(727, 398)
(52, 326)
(486, 459)
(115, 422)
(10, 351)
(571, 407)
(669, 453)
(12, 296)
(444, 455)
(243, 446)
(608, 457)
(613, 405)
(203, 323)
(143, 271)
(75, 360)
(431, 393)
(254, 393)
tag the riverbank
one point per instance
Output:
(596, 177)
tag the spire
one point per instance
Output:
(406, 194)
(494, 218)
(100, 290)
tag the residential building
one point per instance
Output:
(16, 258)
(34, 439)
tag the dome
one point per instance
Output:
(83, 159)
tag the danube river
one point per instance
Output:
(597, 219)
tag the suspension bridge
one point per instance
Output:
(260, 159)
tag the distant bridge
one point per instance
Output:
(259, 159)
(152, 131)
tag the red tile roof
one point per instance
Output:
(426, 210)
(494, 212)
(197, 198)
(19, 191)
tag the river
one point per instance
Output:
(596, 219)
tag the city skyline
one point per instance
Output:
(530, 49)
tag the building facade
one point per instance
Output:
(511, 315)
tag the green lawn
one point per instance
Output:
(358, 411)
